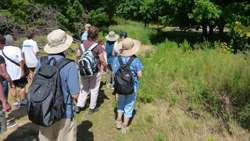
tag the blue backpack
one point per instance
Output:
(88, 63)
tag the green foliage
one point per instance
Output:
(98, 17)
(136, 31)
(242, 30)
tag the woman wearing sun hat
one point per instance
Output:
(110, 44)
(125, 105)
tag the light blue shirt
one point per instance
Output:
(69, 83)
(135, 66)
(85, 35)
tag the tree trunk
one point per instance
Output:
(145, 23)
(211, 30)
(204, 30)
(221, 29)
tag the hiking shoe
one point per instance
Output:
(91, 111)
(11, 124)
(124, 129)
(16, 105)
(23, 103)
(78, 109)
(118, 124)
(108, 85)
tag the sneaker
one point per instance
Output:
(23, 103)
(91, 111)
(11, 124)
(78, 109)
(108, 85)
(118, 124)
(124, 129)
(16, 105)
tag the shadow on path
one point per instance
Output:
(27, 132)
(83, 133)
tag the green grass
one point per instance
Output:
(204, 77)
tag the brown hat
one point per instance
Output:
(112, 36)
(128, 47)
(58, 41)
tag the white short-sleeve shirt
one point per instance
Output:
(29, 48)
(15, 54)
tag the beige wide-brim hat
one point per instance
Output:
(128, 47)
(58, 41)
(112, 36)
(87, 25)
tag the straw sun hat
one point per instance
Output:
(58, 41)
(112, 36)
(128, 47)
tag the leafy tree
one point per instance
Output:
(129, 9)
(205, 13)
(148, 12)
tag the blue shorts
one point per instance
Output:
(126, 104)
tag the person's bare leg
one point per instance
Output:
(31, 75)
(126, 120)
(13, 95)
(22, 93)
(119, 116)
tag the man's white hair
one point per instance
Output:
(9, 39)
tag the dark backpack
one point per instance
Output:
(88, 63)
(124, 80)
(45, 103)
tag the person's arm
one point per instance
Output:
(103, 62)
(75, 96)
(35, 49)
(22, 68)
(6, 105)
(139, 74)
(7, 76)
(78, 53)
(113, 51)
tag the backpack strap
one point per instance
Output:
(82, 47)
(131, 59)
(120, 60)
(93, 46)
(43, 60)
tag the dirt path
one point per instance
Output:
(99, 126)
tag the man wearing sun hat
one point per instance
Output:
(66, 128)
(85, 33)
(125, 105)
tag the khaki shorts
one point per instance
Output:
(62, 130)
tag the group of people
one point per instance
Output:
(58, 42)
(13, 72)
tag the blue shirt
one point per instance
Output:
(135, 66)
(69, 83)
(85, 35)
(109, 49)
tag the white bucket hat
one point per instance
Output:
(58, 41)
(112, 36)
(128, 47)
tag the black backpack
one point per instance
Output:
(124, 80)
(45, 103)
